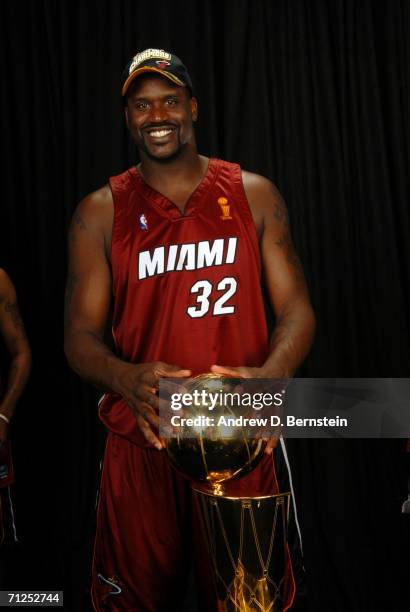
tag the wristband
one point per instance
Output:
(3, 416)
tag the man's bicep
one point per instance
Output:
(283, 272)
(88, 290)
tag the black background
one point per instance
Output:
(316, 96)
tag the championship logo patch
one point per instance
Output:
(148, 54)
(143, 222)
(225, 208)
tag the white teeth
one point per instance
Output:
(160, 133)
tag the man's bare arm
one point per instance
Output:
(88, 292)
(295, 321)
(87, 302)
(284, 279)
(14, 336)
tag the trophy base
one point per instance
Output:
(247, 541)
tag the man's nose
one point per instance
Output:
(158, 114)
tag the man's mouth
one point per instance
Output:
(160, 132)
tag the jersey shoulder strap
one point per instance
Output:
(122, 184)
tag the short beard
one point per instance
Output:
(163, 160)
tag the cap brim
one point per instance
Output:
(164, 73)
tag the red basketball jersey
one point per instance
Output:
(186, 285)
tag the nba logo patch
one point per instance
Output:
(143, 222)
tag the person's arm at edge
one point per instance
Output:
(14, 335)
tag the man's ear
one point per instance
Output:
(194, 109)
(126, 116)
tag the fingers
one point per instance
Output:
(271, 445)
(148, 395)
(148, 414)
(148, 433)
(147, 418)
(170, 371)
(142, 396)
(178, 374)
(163, 370)
(145, 404)
(228, 370)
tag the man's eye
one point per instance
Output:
(172, 101)
(141, 105)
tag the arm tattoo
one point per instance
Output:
(76, 227)
(285, 242)
(79, 221)
(280, 212)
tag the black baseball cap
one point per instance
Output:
(157, 61)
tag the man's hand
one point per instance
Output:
(245, 372)
(138, 385)
(239, 372)
(271, 444)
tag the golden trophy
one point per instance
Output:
(246, 537)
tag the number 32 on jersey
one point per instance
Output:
(203, 304)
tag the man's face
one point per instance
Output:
(159, 116)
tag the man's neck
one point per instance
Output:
(187, 169)
(177, 180)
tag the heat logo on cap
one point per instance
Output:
(162, 64)
(225, 208)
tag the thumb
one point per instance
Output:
(230, 370)
(172, 370)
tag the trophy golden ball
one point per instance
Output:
(206, 450)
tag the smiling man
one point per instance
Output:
(181, 242)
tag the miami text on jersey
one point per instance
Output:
(191, 256)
